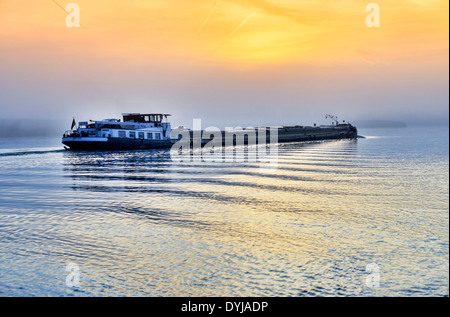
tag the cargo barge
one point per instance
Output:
(152, 131)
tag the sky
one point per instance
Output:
(227, 62)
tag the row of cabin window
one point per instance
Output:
(132, 134)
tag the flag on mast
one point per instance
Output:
(74, 124)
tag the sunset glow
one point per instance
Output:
(235, 31)
(132, 54)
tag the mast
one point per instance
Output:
(334, 118)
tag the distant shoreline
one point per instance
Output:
(30, 128)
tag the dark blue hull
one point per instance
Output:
(115, 144)
(285, 134)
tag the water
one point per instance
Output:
(337, 218)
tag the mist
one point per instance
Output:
(20, 127)
(226, 97)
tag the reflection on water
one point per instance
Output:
(137, 223)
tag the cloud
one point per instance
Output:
(236, 29)
(369, 56)
(299, 16)
(208, 17)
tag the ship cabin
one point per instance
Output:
(134, 126)
(155, 118)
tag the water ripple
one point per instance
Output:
(138, 224)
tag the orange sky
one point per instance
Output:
(235, 31)
(260, 36)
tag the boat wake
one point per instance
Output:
(20, 152)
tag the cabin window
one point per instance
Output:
(146, 118)
(122, 134)
(141, 135)
(152, 118)
(132, 134)
(158, 136)
(149, 135)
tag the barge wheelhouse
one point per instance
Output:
(135, 131)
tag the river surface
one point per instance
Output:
(366, 217)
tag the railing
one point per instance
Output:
(68, 133)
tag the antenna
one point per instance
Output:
(334, 118)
